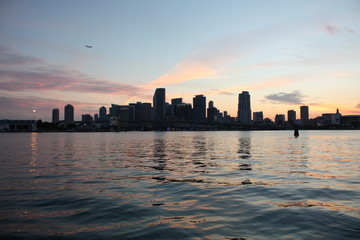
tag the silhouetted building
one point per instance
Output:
(199, 108)
(122, 112)
(211, 104)
(244, 108)
(350, 121)
(167, 111)
(55, 115)
(185, 112)
(228, 118)
(329, 119)
(219, 116)
(87, 118)
(258, 116)
(280, 119)
(102, 114)
(212, 112)
(304, 114)
(69, 113)
(159, 104)
(96, 117)
(291, 116)
(142, 111)
(174, 103)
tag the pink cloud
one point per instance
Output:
(19, 72)
(61, 80)
(11, 58)
(349, 30)
(208, 60)
(331, 29)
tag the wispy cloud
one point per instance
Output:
(264, 84)
(332, 29)
(358, 106)
(209, 60)
(289, 98)
(10, 58)
(19, 72)
(229, 53)
(60, 80)
(346, 74)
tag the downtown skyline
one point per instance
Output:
(160, 110)
(285, 54)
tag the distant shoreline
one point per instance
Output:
(221, 130)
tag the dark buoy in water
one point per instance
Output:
(296, 131)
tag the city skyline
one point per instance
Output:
(286, 54)
(160, 110)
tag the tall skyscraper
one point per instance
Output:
(142, 111)
(211, 104)
(69, 113)
(291, 116)
(159, 104)
(55, 115)
(199, 105)
(185, 112)
(102, 113)
(304, 114)
(174, 103)
(212, 112)
(244, 108)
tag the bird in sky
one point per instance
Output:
(88, 46)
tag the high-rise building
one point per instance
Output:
(291, 116)
(159, 104)
(102, 113)
(86, 118)
(244, 108)
(142, 111)
(185, 112)
(304, 114)
(69, 113)
(258, 116)
(174, 103)
(96, 117)
(122, 112)
(211, 104)
(199, 106)
(55, 115)
(167, 111)
(280, 119)
(212, 112)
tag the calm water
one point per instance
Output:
(180, 185)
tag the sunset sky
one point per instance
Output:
(285, 53)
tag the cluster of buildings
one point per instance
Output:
(178, 115)
(198, 115)
(160, 113)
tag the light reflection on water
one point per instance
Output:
(181, 185)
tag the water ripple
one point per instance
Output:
(180, 185)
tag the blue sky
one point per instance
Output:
(285, 53)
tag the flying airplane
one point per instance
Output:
(88, 46)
